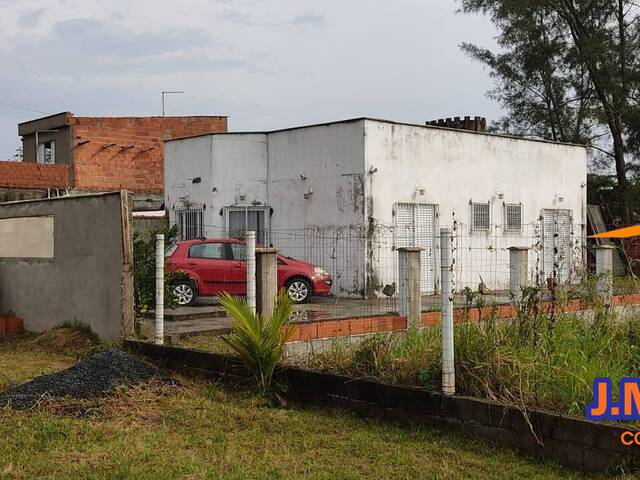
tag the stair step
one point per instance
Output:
(182, 314)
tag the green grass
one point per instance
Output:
(535, 361)
(201, 430)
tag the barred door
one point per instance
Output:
(190, 222)
(415, 227)
(556, 243)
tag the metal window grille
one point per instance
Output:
(480, 216)
(242, 219)
(513, 216)
(190, 223)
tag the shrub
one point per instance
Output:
(144, 270)
(258, 341)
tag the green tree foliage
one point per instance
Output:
(568, 70)
(258, 341)
(144, 270)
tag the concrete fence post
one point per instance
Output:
(448, 365)
(518, 270)
(409, 288)
(266, 280)
(604, 272)
(251, 269)
(159, 333)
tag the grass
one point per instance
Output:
(534, 361)
(201, 430)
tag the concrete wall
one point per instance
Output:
(62, 137)
(276, 170)
(82, 282)
(347, 223)
(456, 167)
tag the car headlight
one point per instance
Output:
(320, 271)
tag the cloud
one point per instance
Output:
(31, 18)
(308, 20)
(238, 18)
(111, 39)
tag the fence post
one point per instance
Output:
(448, 366)
(518, 270)
(604, 272)
(251, 269)
(266, 280)
(159, 336)
(409, 289)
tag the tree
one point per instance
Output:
(568, 71)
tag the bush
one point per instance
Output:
(144, 270)
(258, 341)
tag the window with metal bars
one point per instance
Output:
(190, 223)
(480, 220)
(513, 216)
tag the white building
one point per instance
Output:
(346, 194)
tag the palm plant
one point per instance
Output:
(258, 341)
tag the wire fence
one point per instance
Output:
(354, 271)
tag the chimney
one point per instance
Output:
(477, 124)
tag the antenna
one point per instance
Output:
(165, 92)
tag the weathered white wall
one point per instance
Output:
(276, 170)
(346, 223)
(455, 167)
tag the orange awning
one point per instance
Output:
(620, 233)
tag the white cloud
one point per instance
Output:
(267, 64)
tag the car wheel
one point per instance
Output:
(299, 290)
(184, 294)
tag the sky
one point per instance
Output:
(266, 64)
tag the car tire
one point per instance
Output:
(184, 293)
(298, 289)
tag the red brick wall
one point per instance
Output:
(33, 175)
(135, 161)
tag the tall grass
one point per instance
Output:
(543, 360)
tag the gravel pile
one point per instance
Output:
(92, 377)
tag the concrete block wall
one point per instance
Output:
(86, 279)
(33, 175)
(112, 153)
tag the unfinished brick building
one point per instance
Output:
(96, 154)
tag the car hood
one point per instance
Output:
(292, 262)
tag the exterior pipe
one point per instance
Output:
(448, 366)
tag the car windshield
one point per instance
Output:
(170, 249)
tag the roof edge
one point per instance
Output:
(380, 120)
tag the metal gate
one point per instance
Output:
(556, 243)
(415, 227)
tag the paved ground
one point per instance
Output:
(207, 317)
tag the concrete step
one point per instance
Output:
(214, 326)
(182, 314)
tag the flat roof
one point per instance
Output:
(121, 116)
(381, 120)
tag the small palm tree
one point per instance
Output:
(259, 342)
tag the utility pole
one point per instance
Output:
(165, 92)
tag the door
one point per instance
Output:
(415, 227)
(241, 219)
(556, 243)
(237, 282)
(213, 267)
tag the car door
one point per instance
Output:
(210, 262)
(238, 278)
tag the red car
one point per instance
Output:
(218, 265)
